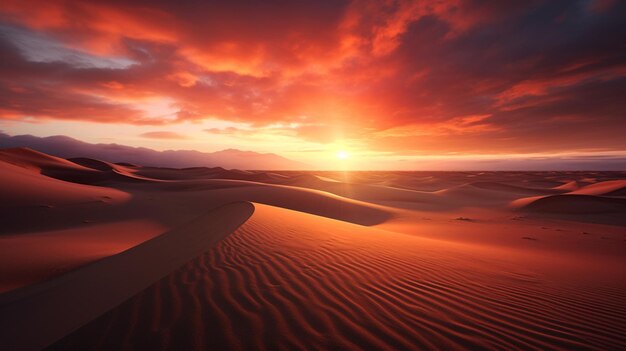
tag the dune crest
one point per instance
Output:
(608, 188)
(25, 184)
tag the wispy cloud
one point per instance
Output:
(163, 135)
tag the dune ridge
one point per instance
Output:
(608, 188)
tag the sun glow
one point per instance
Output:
(342, 154)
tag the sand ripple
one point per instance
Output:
(287, 280)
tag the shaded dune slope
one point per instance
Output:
(57, 306)
(107, 171)
(28, 258)
(577, 204)
(287, 280)
(94, 164)
(207, 173)
(513, 188)
(601, 197)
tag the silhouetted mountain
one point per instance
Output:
(66, 147)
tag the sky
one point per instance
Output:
(335, 84)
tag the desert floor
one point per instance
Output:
(104, 256)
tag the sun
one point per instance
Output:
(342, 154)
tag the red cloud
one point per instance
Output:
(363, 70)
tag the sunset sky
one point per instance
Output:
(361, 84)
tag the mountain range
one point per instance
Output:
(66, 147)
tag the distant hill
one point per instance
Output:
(66, 147)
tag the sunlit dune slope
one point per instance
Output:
(23, 181)
(38, 161)
(289, 280)
(609, 188)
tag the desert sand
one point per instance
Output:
(102, 256)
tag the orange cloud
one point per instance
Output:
(163, 135)
(400, 76)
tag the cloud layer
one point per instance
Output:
(402, 77)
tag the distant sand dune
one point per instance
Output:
(512, 188)
(22, 184)
(35, 160)
(312, 201)
(609, 188)
(571, 185)
(95, 164)
(577, 204)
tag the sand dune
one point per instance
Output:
(50, 166)
(470, 195)
(38, 161)
(511, 188)
(328, 260)
(577, 204)
(28, 258)
(23, 184)
(207, 173)
(571, 185)
(609, 188)
(108, 172)
(57, 306)
(301, 199)
(288, 280)
(94, 164)
(598, 202)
